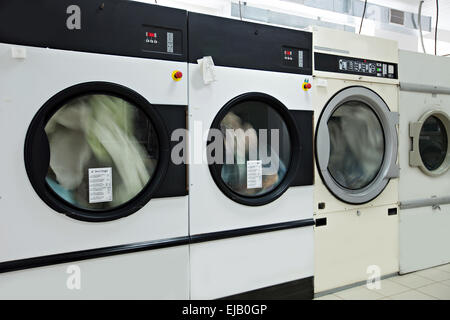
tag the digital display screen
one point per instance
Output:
(353, 65)
(357, 66)
(377, 69)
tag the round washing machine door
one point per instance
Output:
(356, 145)
(253, 149)
(430, 148)
(96, 151)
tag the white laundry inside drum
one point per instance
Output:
(96, 132)
(261, 143)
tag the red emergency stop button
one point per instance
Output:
(306, 86)
(177, 75)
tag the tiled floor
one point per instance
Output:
(429, 284)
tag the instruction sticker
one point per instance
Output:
(254, 174)
(100, 185)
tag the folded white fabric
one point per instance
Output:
(207, 66)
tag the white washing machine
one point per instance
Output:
(251, 197)
(424, 185)
(356, 192)
(92, 206)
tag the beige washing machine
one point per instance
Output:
(355, 98)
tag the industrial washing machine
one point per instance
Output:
(251, 160)
(92, 205)
(424, 184)
(356, 188)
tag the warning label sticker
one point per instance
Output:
(254, 174)
(100, 185)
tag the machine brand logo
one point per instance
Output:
(74, 280)
(73, 22)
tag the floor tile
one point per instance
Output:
(328, 297)
(429, 284)
(390, 288)
(412, 280)
(434, 274)
(437, 290)
(359, 293)
(446, 282)
(412, 295)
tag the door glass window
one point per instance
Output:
(433, 143)
(103, 151)
(252, 131)
(356, 145)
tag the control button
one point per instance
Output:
(306, 85)
(177, 75)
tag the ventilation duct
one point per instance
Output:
(388, 19)
(381, 14)
(397, 17)
(283, 19)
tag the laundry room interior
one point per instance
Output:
(211, 150)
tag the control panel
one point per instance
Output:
(248, 45)
(161, 40)
(294, 57)
(117, 27)
(358, 66)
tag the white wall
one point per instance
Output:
(405, 41)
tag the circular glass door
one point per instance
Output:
(356, 145)
(254, 149)
(430, 149)
(95, 151)
(433, 143)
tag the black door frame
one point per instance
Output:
(37, 152)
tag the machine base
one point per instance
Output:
(302, 289)
(424, 238)
(352, 247)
